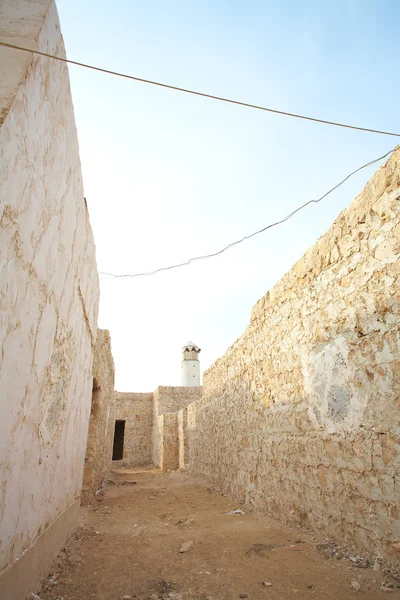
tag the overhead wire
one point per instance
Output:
(201, 94)
(251, 235)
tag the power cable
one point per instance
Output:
(202, 94)
(247, 237)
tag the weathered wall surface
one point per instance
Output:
(301, 416)
(48, 305)
(169, 399)
(137, 411)
(157, 456)
(101, 426)
(183, 439)
(170, 456)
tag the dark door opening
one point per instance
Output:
(119, 433)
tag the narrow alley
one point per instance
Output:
(155, 535)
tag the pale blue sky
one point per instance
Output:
(168, 176)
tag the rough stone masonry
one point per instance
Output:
(49, 296)
(301, 416)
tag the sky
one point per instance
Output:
(169, 176)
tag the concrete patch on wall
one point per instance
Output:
(301, 416)
(49, 295)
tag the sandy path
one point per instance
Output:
(128, 545)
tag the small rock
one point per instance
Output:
(34, 597)
(186, 547)
(236, 511)
(267, 584)
(243, 596)
(126, 597)
(377, 565)
(355, 585)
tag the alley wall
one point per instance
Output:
(301, 417)
(48, 302)
(137, 412)
(101, 426)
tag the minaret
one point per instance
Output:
(190, 369)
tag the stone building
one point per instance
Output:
(48, 301)
(151, 429)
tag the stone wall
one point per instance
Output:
(48, 301)
(168, 399)
(101, 427)
(137, 412)
(301, 416)
(170, 456)
(183, 439)
(157, 455)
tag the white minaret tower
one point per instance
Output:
(190, 369)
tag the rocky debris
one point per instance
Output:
(186, 546)
(126, 597)
(104, 510)
(243, 596)
(184, 522)
(34, 597)
(236, 511)
(260, 549)
(267, 584)
(388, 584)
(332, 550)
(355, 585)
(165, 591)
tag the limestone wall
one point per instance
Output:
(301, 416)
(183, 439)
(101, 427)
(170, 461)
(48, 301)
(157, 455)
(137, 411)
(169, 399)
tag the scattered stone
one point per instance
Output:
(377, 565)
(355, 585)
(310, 587)
(236, 511)
(243, 596)
(34, 597)
(387, 585)
(267, 584)
(126, 597)
(186, 547)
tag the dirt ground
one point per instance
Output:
(128, 546)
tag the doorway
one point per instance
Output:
(119, 433)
